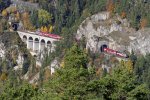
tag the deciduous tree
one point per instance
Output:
(45, 29)
(44, 17)
(51, 29)
(26, 21)
(4, 13)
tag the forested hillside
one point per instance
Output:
(81, 74)
(67, 15)
(65, 12)
(75, 81)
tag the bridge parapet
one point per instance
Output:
(36, 42)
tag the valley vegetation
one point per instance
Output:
(79, 77)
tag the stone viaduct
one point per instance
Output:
(37, 43)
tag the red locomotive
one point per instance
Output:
(54, 36)
(113, 52)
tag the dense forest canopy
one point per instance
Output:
(75, 81)
(70, 13)
(66, 12)
(77, 78)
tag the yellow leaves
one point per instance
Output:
(42, 29)
(45, 29)
(128, 65)
(51, 29)
(3, 76)
(4, 13)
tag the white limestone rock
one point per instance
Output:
(102, 29)
(54, 65)
(2, 50)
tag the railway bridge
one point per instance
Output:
(37, 42)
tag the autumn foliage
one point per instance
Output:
(50, 29)
(3, 77)
(110, 6)
(4, 13)
(143, 23)
(123, 14)
(26, 21)
(46, 29)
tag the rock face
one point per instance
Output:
(141, 42)
(114, 32)
(2, 50)
(12, 50)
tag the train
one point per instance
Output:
(46, 34)
(116, 53)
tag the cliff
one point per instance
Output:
(101, 28)
(13, 52)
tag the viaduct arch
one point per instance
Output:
(37, 43)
